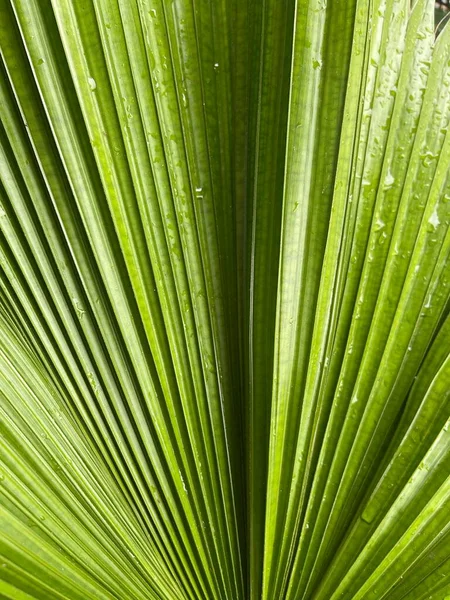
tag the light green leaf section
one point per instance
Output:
(224, 300)
(321, 47)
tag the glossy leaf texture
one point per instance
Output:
(224, 300)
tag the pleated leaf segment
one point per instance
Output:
(224, 300)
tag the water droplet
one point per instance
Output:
(199, 191)
(80, 310)
(317, 63)
(153, 13)
(92, 83)
(41, 61)
(216, 66)
(182, 481)
(389, 180)
(428, 158)
(354, 400)
(379, 224)
(92, 381)
(295, 206)
(433, 221)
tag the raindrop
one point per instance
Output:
(389, 181)
(382, 238)
(92, 83)
(427, 159)
(379, 224)
(433, 221)
(80, 310)
(199, 192)
(182, 481)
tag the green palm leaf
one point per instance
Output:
(224, 300)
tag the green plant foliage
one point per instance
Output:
(224, 300)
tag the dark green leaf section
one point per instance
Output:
(269, 46)
(224, 300)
